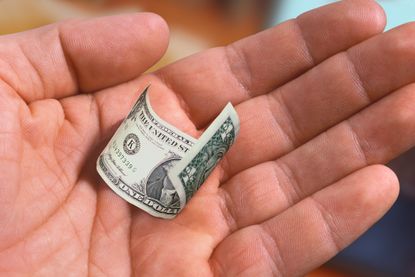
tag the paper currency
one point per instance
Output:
(158, 168)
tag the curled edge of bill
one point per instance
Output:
(228, 112)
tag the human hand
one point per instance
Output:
(319, 106)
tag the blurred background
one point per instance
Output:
(387, 249)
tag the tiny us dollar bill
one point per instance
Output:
(158, 168)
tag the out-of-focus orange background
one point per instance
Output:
(195, 25)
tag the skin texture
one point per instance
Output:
(323, 100)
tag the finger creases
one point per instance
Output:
(329, 93)
(66, 58)
(321, 224)
(262, 62)
(376, 135)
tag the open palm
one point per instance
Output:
(321, 100)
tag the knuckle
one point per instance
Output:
(333, 232)
(227, 208)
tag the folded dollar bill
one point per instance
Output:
(158, 168)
